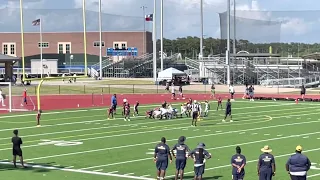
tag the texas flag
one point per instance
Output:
(149, 17)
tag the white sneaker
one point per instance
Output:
(128, 119)
(231, 121)
(125, 119)
(223, 120)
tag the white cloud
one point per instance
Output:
(296, 26)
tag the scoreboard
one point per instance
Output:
(131, 51)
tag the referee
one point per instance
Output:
(298, 165)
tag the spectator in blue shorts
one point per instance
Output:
(181, 155)
(238, 161)
(161, 154)
(199, 156)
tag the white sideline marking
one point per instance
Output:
(218, 131)
(242, 133)
(133, 145)
(147, 175)
(313, 175)
(254, 133)
(112, 172)
(306, 137)
(129, 174)
(99, 109)
(98, 170)
(81, 171)
(251, 161)
(69, 167)
(267, 134)
(221, 147)
(124, 125)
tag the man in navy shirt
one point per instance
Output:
(266, 164)
(182, 153)
(199, 156)
(298, 165)
(161, 154)
(228, 111)
(238, 161)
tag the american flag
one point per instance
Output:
(36, 22)
(149, 17)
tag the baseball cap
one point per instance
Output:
(299, 148)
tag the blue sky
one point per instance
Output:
(181, 17)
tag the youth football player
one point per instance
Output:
(303, 92)
(16, 148)
(110, 112)
(195, 113)
(213, 91)
(231, 91)
(183, 110)
(182, 153)
(127, 112)
(38, 117)
(2, 98)
(206, 108)
(149, 114)
(199, 156)
(251, 93)
(180, 91)
(228, 111)
(238, 161)
(24, 98)
(173, 92)
(161, 155)
(124, 106)
(135, 109)
(219, 103)
(114, 102)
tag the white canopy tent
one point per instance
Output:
(169, 73)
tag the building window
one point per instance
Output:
(44, 45)
(60, 49)
(123, 46)
(12, 49)
(68, 48)
(5, 49)
(97, 43)
(116, 46)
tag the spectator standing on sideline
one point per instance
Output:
(298, 165)
(16, 148)
(161, 155)
(266, 164)
(238, 161)
(199, 155)
(114, 103)
(303, 91)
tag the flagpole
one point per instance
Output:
(100, 40)
(154, 39)
(41, 56)
(144, 29)
(161, 33)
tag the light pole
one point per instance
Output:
(100, 40)
(144, 29)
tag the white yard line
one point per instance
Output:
(314, 175)
(207, 135)
(82, 171)
(251, 161)
(220, 147)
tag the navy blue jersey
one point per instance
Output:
(265, 161)
(182, 151)
(251, 89)
(228, 106)
(196, 156)
(238, 159)
(162, 151)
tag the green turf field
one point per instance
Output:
(84, 145)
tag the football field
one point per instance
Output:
(82, 144)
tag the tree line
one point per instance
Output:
(190, 47)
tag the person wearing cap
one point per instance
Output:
(181, 155)
(298, 165)
(238, 161)
(266, 164)
(199, 155)
(161, 154)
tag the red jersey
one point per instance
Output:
(219, 99)
(127, 107)
(38, 116)
(24, 94)
(110, 110)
